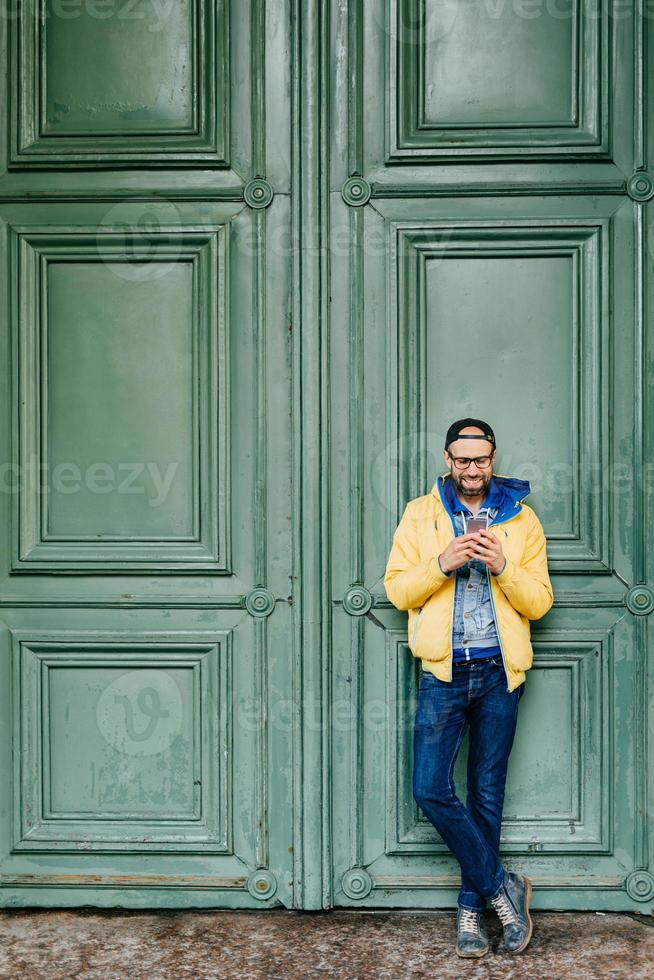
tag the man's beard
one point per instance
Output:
(472, 489)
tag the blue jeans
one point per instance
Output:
(476, 697)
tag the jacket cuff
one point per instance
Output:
(439, 574)
(506, 572)
(444, 574)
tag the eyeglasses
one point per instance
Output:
(463, 462)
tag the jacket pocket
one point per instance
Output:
(516, 636)
(413, 635)
(429, 627)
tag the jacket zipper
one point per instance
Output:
(452, 630)
(490, 589)
(452, 616)
(497, 625)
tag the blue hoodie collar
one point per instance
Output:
(504, 492)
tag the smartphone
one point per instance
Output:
(475, 524)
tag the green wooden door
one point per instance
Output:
(147, 536)
(256, 257)
(492, 181)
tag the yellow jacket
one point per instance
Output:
(414, 581)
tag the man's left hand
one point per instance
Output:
(489, 550)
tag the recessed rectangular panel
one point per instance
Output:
(558, 783)
(120, 430)
(121, 742)
(544, 768)
(122, 397)
(115, 747)
(118, 67)
(502, 327)
(496, 80)
(129, 83)
(484, 64)
(510, 322)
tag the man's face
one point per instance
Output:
(473, 481)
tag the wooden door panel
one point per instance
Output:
(248, 257)
(125, 84)
(467, 85)
(146, 556)
(493, 234)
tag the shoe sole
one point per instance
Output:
(531, 925)
(468, 956)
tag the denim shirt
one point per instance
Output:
(474, 632)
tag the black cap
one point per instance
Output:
(455, 428)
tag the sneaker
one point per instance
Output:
(512, 905)
(471, 936)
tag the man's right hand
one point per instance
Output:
(458, 552)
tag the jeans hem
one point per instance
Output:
(472, 908)
(496, 893)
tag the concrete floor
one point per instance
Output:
(92, 943)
